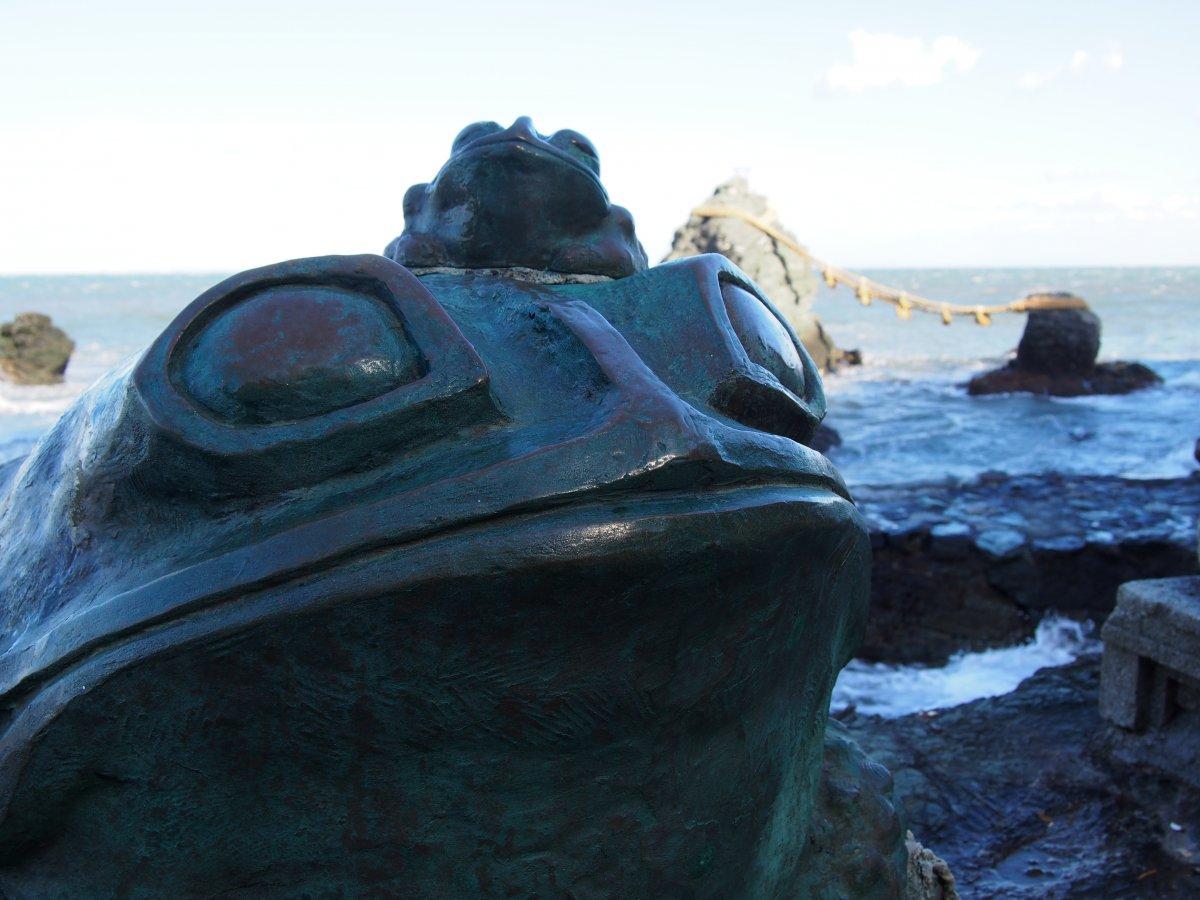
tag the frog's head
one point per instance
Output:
(528, 583)
(513, 197)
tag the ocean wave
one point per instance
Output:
(891, 691)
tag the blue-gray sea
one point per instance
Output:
(903, 415)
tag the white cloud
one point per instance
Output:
(880, 60)
(1080, 60)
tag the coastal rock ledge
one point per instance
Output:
(968, 566)
(1033, 795)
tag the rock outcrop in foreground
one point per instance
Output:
(968, 566)
(1032, 795)
(1057, 355)
(33, 350)
(787, 279)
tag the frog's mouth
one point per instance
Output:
(639, 544)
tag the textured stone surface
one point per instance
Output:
(1059, 341)
(1031, 795)
(1057, 356)
(856, 846)
(33, 351)
(1104, 378)
(929, 876)
(1151, 652)
(975, 565)
(787, 279)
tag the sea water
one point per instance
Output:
(904, 415)
(879, 689)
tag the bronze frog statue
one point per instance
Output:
(497, 566)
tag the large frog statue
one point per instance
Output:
(494, 567)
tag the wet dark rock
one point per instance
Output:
(1057, 355)
(1104, 378)
(33, 350)
(1060, 341)
(1032, 795)
(825, 438)
(786, 278)
(976, 565)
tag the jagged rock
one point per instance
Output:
(1031, 795)
(33, 350)
(783, 276)
(1057, 355)
(969, 566)
(929, 876)
(856, 846)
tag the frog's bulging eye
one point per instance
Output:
(764, 338)
(775, 388)
(297, 351)
(474, 132)
(579, 146)
(292, 373)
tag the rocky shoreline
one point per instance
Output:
(967, 566)
(1031, 794)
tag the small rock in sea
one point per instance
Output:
(33, 350)
(1060, 341)
(1080, 434)
(1057, 356)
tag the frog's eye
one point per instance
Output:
(474, 132)
(299, 371)
(776, 388)
(578, 146)
(297, 351)
(764, 337)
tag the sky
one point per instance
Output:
(216, 136)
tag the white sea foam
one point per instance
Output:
(891, 691)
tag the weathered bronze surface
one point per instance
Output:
(359, 583)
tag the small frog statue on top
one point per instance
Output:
(497, 566)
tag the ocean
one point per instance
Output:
(903, 415)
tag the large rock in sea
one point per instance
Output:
(1057, 355)
(784, 276)
(33, 351)
(495, 566)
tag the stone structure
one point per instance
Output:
(33, 351)
(1152, 653)
(786, 278)
(514, 578)
(1057, 355)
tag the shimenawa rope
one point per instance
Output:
(868, 290)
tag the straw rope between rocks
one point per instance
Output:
(868, 290)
